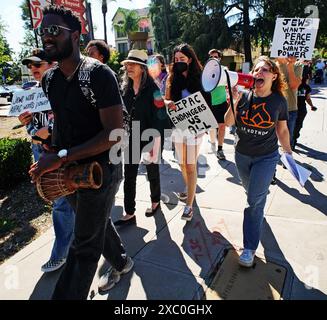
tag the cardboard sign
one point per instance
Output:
(294, 37)
(32, 100)
(192, 115)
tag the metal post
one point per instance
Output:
(35, 35)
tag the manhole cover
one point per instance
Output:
(264, 281)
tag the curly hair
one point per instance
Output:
(70, 18)
(193, 80)
(279, 85)
(102, 47)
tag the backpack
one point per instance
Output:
(84, 80)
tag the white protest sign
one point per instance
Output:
(192, 115)
(294, 37)
(33, 100)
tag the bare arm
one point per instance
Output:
(283, 135)
(229, 116)
(111, 119)
(294, 81)
(308, 99)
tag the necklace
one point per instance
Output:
(70, 77)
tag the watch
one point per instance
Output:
(62, 154)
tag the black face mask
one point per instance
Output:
(180, 67)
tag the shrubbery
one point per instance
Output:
(15, 161)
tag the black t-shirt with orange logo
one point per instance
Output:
(256, 126)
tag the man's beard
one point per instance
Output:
(66, 49)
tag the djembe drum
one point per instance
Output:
(66, 180)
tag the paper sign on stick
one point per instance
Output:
(294, 37)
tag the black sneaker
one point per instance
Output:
(53, 265)
(220, 155)
(187, 214)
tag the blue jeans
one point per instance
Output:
(292, 115)
(94, 235)
(256, 174)
(63, 218)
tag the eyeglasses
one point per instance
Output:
(53, 30)
(35, 64)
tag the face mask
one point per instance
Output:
(180, 67)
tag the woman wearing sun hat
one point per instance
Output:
(146, 107)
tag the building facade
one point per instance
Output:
(122, 42)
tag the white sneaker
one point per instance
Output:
(112, 276)
(246, 258)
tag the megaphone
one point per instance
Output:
(214, 75)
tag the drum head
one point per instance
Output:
(211, 75)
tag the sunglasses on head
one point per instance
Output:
(53, 30)
(34, 64)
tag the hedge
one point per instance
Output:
(15, 161)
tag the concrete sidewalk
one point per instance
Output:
(177, 260)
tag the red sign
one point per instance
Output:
(77, 6)
(36, 11)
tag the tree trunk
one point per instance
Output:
(246, 32)
(166, 10)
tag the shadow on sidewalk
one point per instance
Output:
(312, 153)
(230, 167)
(158, 281)
(205, 246)
(294, 288)
(315, 198)
(45, 286)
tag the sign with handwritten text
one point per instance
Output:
(33, 100)
(192, 115)
(294, 37)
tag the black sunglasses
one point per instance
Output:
(53, 30)
(35, 64)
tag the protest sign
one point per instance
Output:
(33, 100)
(192, 115)
(294, 37)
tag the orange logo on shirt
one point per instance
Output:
(260, 118)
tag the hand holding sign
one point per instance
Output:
(192, 115)
(25, 118)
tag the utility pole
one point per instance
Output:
(104, 12)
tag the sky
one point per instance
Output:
(10, 14)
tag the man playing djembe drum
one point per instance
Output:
(81, 134)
